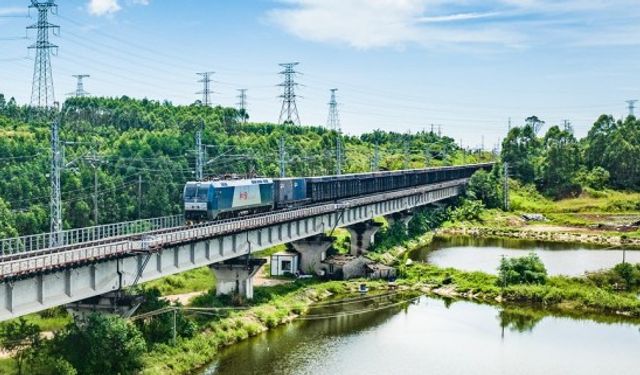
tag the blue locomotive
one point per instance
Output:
(212, 200)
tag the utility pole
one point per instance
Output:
(631, 105)
(94, 161)
(289, 112)
(405, 152)
(206, 88)
(56, 198)
(139, 195)
(42, 94)
(333, 123)
(199, 154)
(283, 154)
(439, 130)
(80, 93)
(427, 156)
(375, 162)
(242, 104)
(505, 186)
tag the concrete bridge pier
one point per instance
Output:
(313, 251)
(235, 276)
(403, 217)
(115, 303)
(362, 236)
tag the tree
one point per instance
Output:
(485, 187)
(560, 164)
(522, 270)
(102, 345)
(520, 149)
(21, 338)
(535, 123)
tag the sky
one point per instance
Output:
(466, 66)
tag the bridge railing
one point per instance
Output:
(41, 241)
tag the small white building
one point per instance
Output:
(284, 263)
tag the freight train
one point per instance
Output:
(212, 200)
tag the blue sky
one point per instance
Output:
(398, 64)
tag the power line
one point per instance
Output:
(289, 112)
(42, 94)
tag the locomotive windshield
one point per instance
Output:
(203, 192)
(190, 191)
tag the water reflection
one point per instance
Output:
(477, 254)
(438, 337)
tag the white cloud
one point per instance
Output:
(107, 7)
(103, 7)
(13, 11)
(381, 23)
(368, 24)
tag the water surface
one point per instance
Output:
(471, 254)
(433, 336)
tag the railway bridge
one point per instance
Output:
(95, 264)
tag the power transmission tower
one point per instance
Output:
(242, 105)
(80, 93)
(206, 88)
(289, 112)
(42, 86)
(567, 126)
(505, 186)
(199, 154)
(509, 126)
(56, 197)
(333, 123)
(282, 157)
(632, 106)
(333, 120)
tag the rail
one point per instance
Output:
(42, 241)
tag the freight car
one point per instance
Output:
(222, 199)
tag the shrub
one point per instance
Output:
(522, 270)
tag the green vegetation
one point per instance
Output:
(572, 294)
(155, 141)
(561, 166)
(522, 270)
(185, 282)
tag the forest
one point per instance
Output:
(561, 166)
(137, 155)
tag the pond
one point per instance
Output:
(435, 336)
(472, 254)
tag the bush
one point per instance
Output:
(522, 270)
(469, 210)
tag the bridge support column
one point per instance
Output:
(115, 303)
(362, 236)
(236, 276)
(313, 251)
(403, 217)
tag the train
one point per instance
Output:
(222, 199)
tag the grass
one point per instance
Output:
(574, 294)
(191, 281)
(527, 199)
(271, 307)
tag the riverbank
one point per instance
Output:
(273, 306)
(548, 233)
